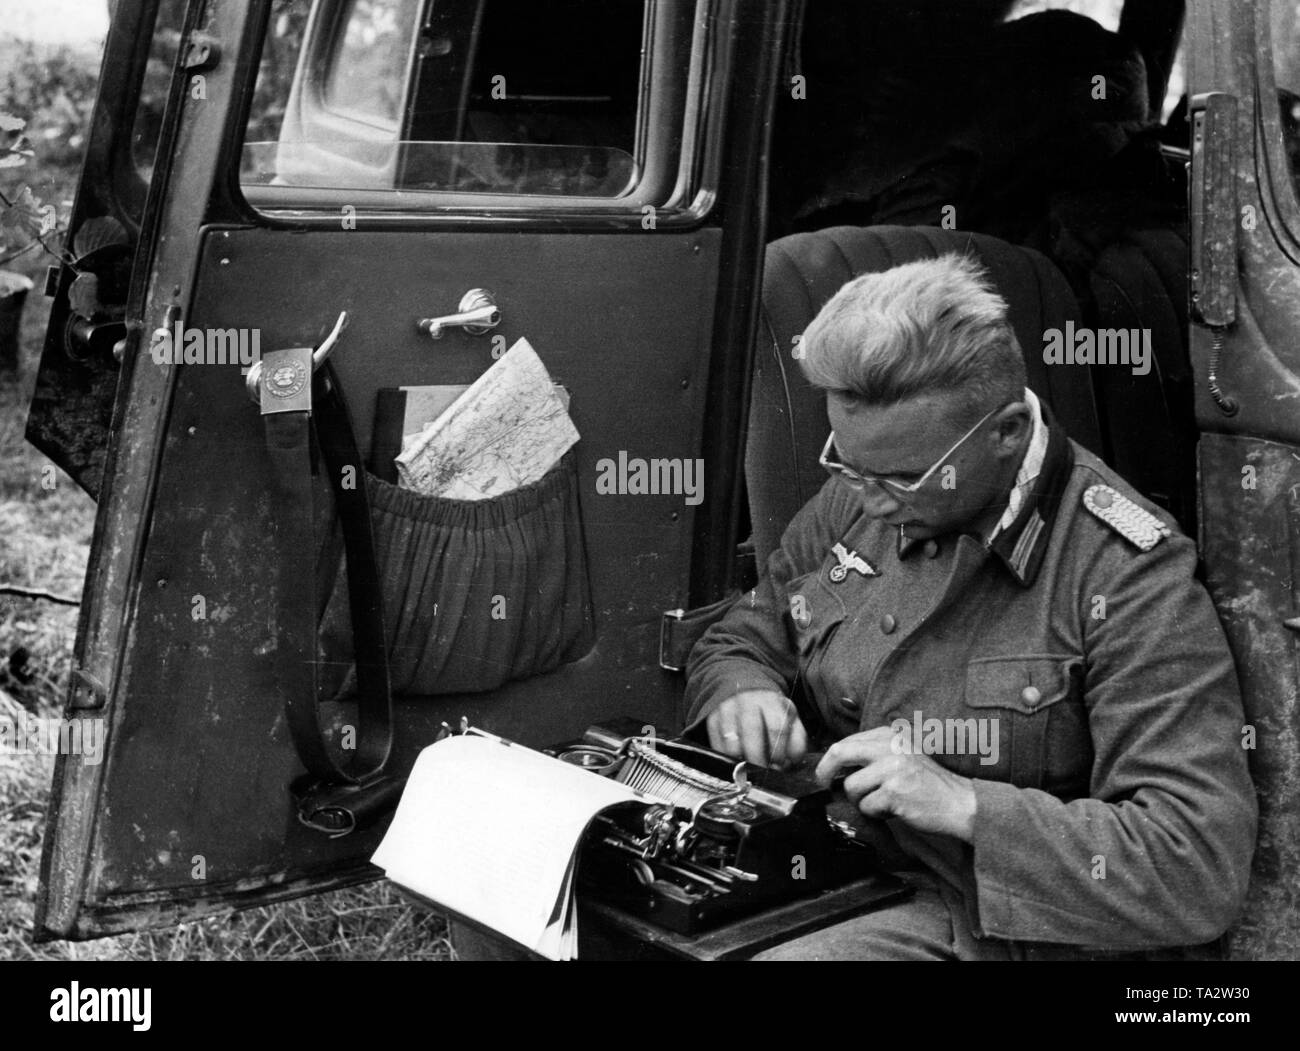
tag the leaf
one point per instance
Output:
(23, 220)
(15, 153)
(10, 123)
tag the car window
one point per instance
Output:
(281, 49)
(1104, 12)
(155, 85)
(1284, 26)
(364, 77)
(469, 97)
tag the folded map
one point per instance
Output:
(506, 431)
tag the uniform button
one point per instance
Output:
(931, 548)
(1031, 695)
(888, 624)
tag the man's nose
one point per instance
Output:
(878, 501)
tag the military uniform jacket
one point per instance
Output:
(1119, 812)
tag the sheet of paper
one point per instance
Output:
(492, 831)
(507, 430)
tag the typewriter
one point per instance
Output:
(720, 838)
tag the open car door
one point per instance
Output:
(385, 158)
(1244, 79)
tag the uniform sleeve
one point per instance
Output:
(753, 647)
(1160, 854)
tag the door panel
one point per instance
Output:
(627, 335)
(1252, 574)
(1250, 531)
(635, 319)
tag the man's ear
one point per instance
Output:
(1014, 428)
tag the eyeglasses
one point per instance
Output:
(860, 481)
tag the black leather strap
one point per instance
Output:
(335, 797)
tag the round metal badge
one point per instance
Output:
(284, 381)
(838, 573)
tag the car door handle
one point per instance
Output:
(478, 313)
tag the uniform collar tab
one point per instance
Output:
(1022, 545)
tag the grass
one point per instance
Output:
(44, 543)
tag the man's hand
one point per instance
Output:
(760, 726)
(890, 780)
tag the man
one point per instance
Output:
(1006, 645)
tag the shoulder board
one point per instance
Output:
(1135, 524)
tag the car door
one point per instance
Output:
(71, 411)
(1244, 76)
(599, 170)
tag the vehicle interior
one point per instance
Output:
(923, 128)
(1075, 204)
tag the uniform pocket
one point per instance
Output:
(815, 611)
(817, 614)
(477, 592)
(1021, 693)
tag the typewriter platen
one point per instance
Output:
(721, 838)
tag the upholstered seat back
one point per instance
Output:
(787, 417)
(1148, 423)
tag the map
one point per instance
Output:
(506, 431)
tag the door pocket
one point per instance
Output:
(1020, 692)
(476, 592)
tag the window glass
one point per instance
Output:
(155, 84)
(1104, 12)
(1285, 26)
(1177, 83)
(279, 60)
(462, 96)
(366, 74)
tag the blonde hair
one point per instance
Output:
(929, 327)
